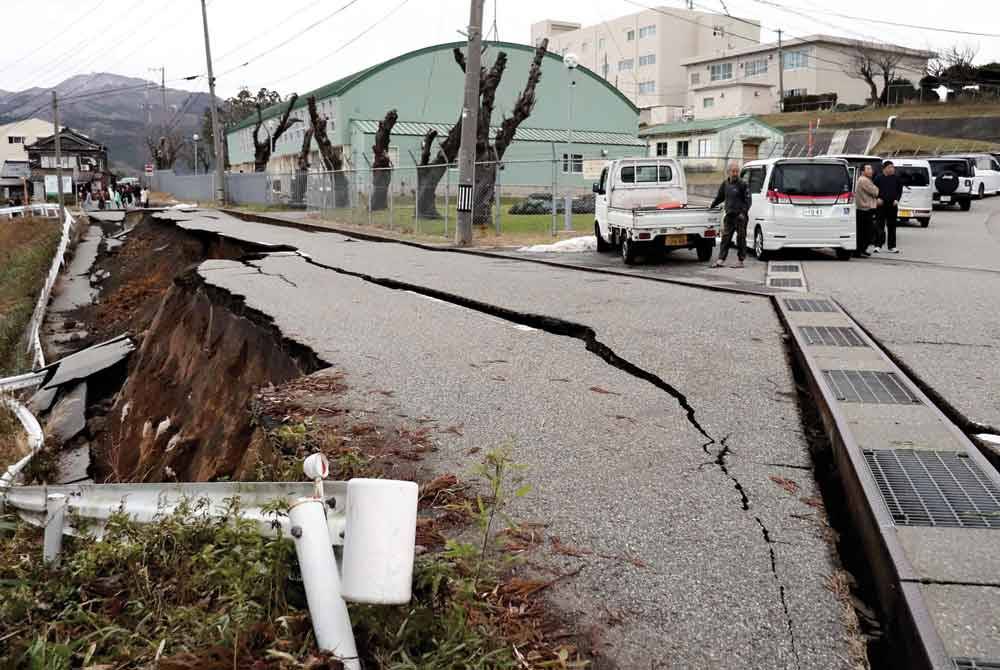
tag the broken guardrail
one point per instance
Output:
(373, 520)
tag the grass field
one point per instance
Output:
(895, 142)
(26, 248)
(877, 116)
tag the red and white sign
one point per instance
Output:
(149, 168)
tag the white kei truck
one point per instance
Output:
(640, 207)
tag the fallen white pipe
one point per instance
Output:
(330, 619)
(35, 440)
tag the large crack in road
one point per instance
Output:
(588, 336)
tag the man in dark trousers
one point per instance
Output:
(736, 194)
(890, 190)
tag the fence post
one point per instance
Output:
(497, 195)
(321, 577)
(554, 185)
(416, 192)
(55, 520)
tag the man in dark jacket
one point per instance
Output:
(890, 190)
(736, 194)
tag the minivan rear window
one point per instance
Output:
(912, 175)
(824, 179)
(959, 167)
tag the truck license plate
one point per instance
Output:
(905, 213)
(675, 240)
(813, 211)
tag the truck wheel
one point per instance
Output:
(602, 244)
(924, 221)
(758, 245)
(965, 205)
(844, 254)
(705, 251)
(628, 251)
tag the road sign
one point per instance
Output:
(149, 168)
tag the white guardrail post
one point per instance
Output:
(373, 519)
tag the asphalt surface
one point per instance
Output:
(935, 306)
(639, 466)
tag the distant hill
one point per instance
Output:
(119, 119)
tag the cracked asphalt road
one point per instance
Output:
(936, 306)
(650, 442)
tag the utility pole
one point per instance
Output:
(220, 175)
(59, 189)
(781, 75)
(163, 93)
(470, 124)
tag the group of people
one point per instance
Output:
(877, 202)
(116, 197)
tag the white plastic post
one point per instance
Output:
(314, 547)
(55, 519)
(378, 541)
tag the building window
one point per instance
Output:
(647, 31)
(756, 67)
(15, 139)
(708, 103)
(625, 64)
(600, 43)
(647, 87)
(796, 92)
(695, 78)
(663, 148)
(721, 71)
(50, 162)
(682, 148)
(630, 35)
(705, 147)
(796, 60)
(577, 163)
(648, 59)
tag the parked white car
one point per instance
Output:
(640, 206)
(952, 181)
(917, 201)
(857, 162)
(801, 203)
(986, 179)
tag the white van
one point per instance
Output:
(986, 180)
(917, 201)
(801, 203)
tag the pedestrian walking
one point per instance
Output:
(866, 198)
(890, 190)
(735, 193)
(144, 198)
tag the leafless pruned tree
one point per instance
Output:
(955, 65)
(863, 65)
(164, 149)
(432, 170)
(302, 169)
(333, 156)
(382, 163)
(264, 146)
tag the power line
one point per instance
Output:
(270, 30)
(291, 38)
(49, 39)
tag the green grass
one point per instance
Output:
(26, 249)
(878, 115)
(403, 219)
(895, 142)
(10, 447)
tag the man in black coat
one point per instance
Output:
(890, 191)
(736, 194)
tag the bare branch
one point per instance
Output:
(426, 145)
(488, 93)
(525, 103)
(303, 160)
(333, 158)
(382, 136)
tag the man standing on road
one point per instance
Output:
(736, 194)
(890, 190)
(866, 197)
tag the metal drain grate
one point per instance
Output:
(807, 305)
(786, 281)
(785, 268)
(935, 488)
(831, 336)
(869, 386)
(976, 664)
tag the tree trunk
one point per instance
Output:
(262, 149)
(428, 178)
(300, 184)
(382, 165)
(484, 192)
(333, 159)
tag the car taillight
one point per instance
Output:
(710, 232)
(846, 197)
(774, 197)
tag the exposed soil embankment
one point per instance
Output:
(184, 411)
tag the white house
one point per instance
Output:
(706, 144)
(746, 80)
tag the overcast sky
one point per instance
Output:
(130, 36)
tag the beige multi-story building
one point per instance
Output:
(14, 137)
(746, 80)
(641, 54)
